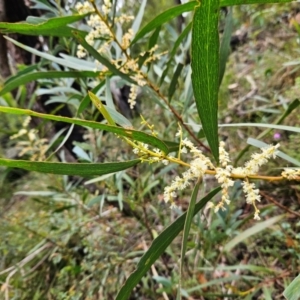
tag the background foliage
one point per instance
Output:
(65, 237)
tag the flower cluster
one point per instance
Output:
(224, 173)
(291, 174)
(98, 24)
(101, 37)
(33, 145)
(252, 195)
(198, 166)
(251, 167)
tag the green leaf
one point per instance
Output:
(92, 51)
(158, 247)
(118, 118)
(139, 17)
(163, 18)
(258, 227)
(280, 127)
(86, 100)
(173, 146)
(244, 2)
(186, 231)
(51, 27)
(225, 44)
(154, 37)
(84, 169)
(292, 292)
(24, 79)
(174, 81)
(205, 68)
(75, 63)
(101, 108)
(177, 43)
(129, 133)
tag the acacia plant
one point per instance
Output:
(107, 49)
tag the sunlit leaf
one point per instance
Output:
(139, 17)
(101, 108)
(205, 69)
(129, 133)
(79, 169)
(50, 27)
(163, 18)
(292, 292)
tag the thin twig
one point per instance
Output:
(269, 198)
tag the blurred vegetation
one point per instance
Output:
(66, 238)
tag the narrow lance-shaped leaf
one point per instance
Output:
(292, 292)
(51, 27)
(86, 100)
(225, 44)
(112, 117)
(292, 106)
(102, 109)
(78, 169)
(163, 18)
(76, 64)
(158, 247)
(129, 133)
(186, 231)
(245, 2)
(174, 81)
(205, 69)
(21, 80)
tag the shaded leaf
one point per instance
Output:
(186, 231)
(158, 247)
(24, 79)
(225, 44)
(174, 81)
(75, 63)
(177, 43)
(260, 144)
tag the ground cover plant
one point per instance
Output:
(187, 143)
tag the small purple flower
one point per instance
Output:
(277, 136)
